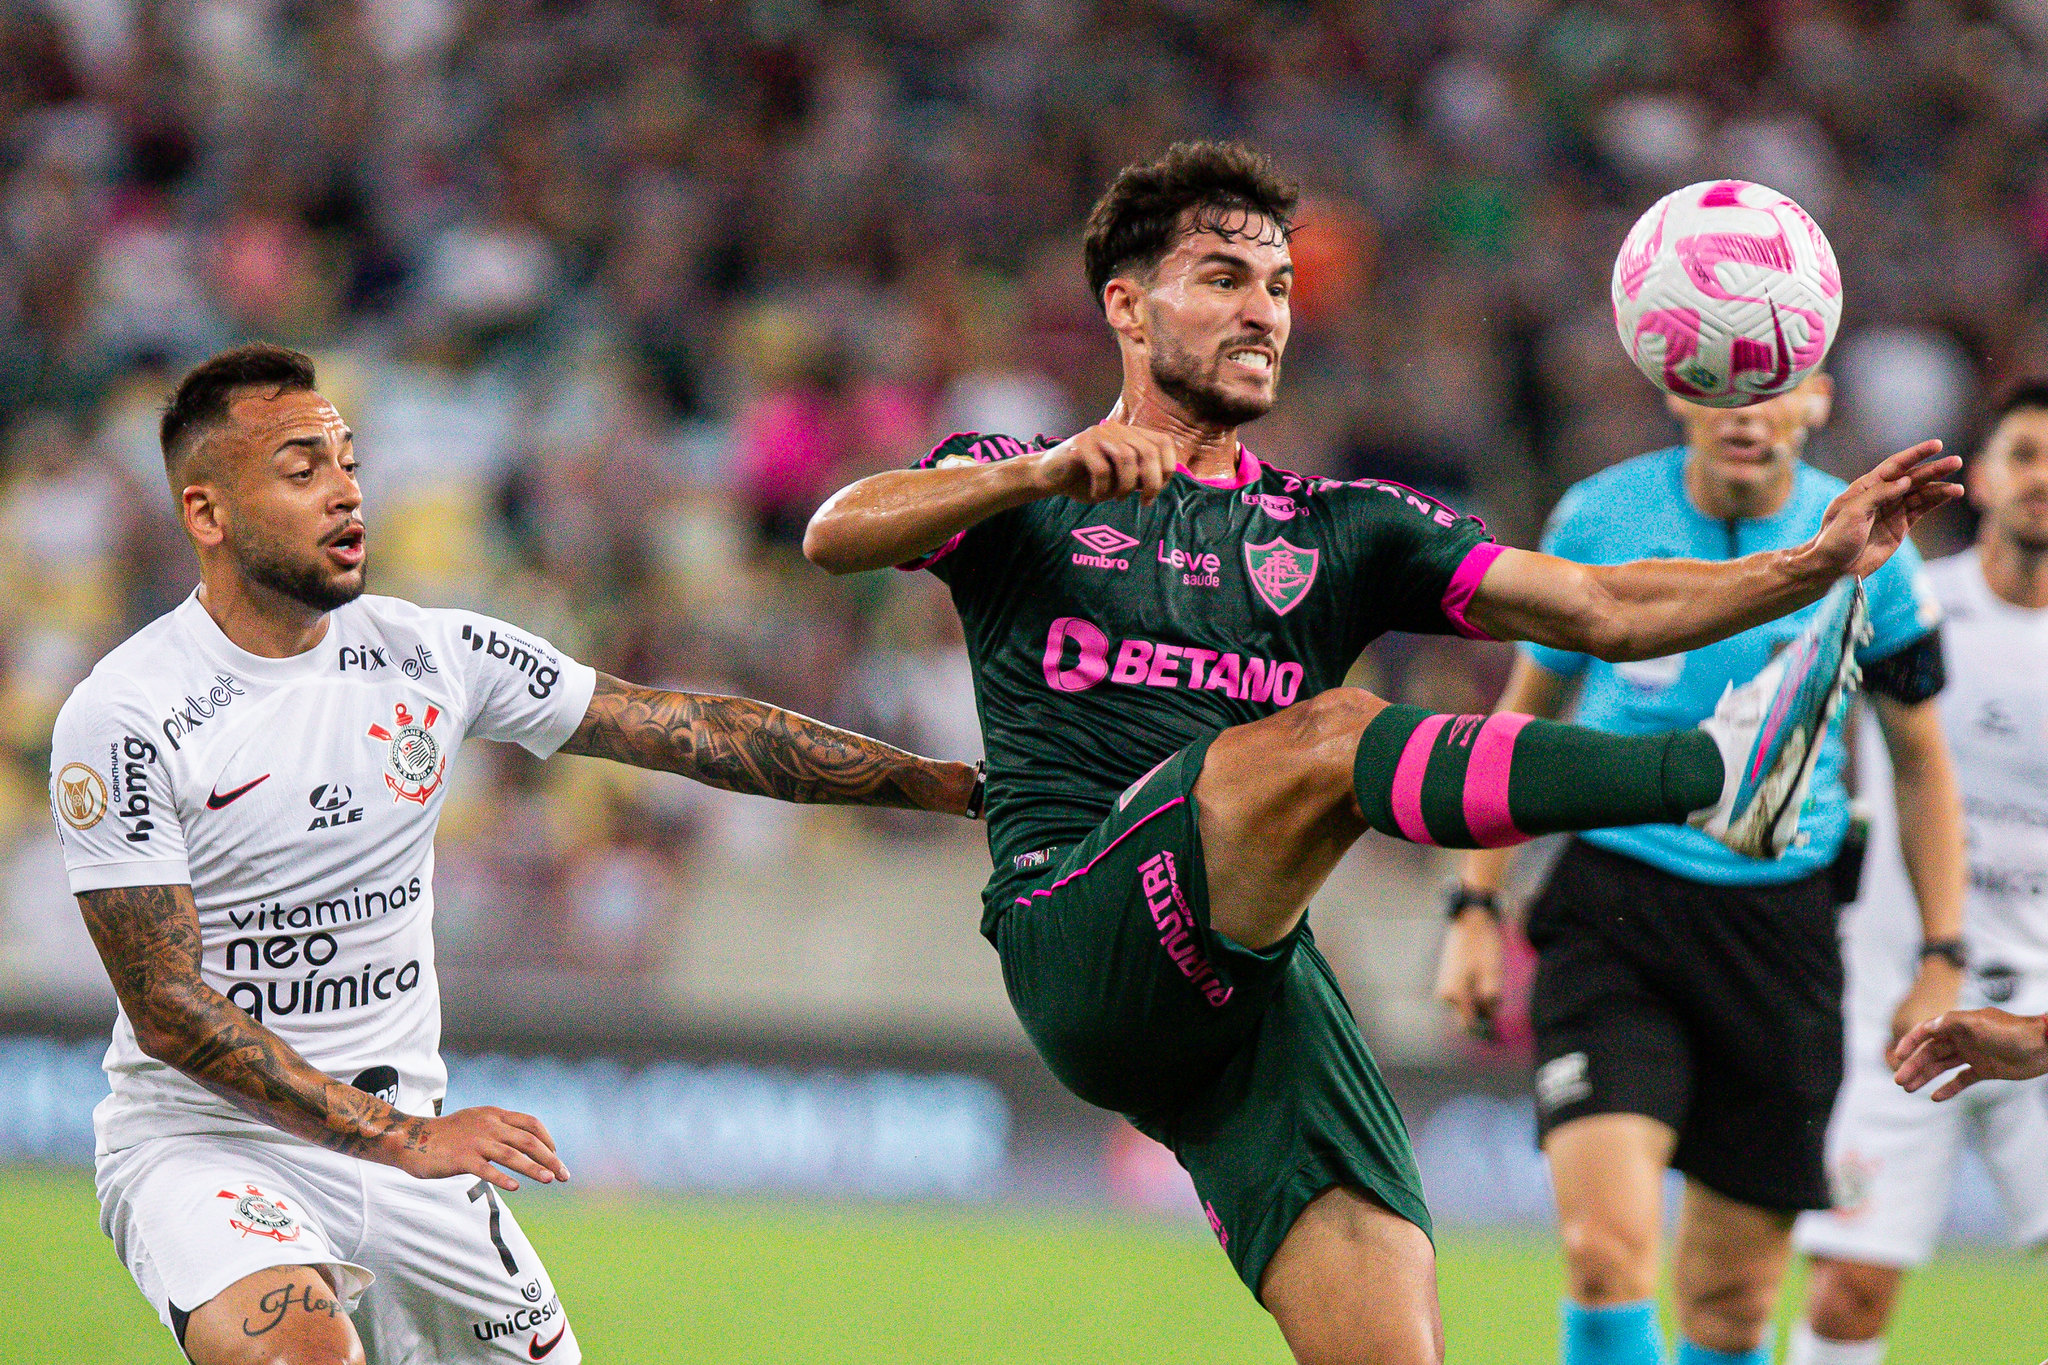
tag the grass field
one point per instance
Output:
(695, 1283)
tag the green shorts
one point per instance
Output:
(1248, 1065)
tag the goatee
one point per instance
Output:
(303, 583)
(1202, 401)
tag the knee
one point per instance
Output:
(1728, 1312)
(1850, 1301)
(1609, 1262)
(1339, 713)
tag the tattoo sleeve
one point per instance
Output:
(148, 936)
(748, 746)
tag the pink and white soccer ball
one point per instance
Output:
(1726, 293)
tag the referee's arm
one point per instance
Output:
(1930, 824)
(1468, 974)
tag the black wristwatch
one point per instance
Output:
(1949, 949)
(1463, 898)
(976, 797)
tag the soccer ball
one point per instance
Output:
(1726, 293)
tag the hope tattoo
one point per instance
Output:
(278, 1303)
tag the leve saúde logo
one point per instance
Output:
(81, 796)
(1281, 573)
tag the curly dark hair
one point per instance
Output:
(1139, 217)
(202, 397)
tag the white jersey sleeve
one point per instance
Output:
(110, 791)
(521, 689)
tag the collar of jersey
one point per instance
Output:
(1246, 475)
(215, 643)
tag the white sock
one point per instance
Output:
(1804, 1348)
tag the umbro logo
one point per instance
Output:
(220, 800)
(1106, 545)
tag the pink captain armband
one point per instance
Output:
(1464, 584)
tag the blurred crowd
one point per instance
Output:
(614, 293)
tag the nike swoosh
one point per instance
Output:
(217, 800)
(536, 1349)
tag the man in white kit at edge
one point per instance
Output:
(247, 792)
(1892, 1154)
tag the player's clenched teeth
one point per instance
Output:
(1251, 360)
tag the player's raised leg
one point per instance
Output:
(1282, 798)
(282, 1315)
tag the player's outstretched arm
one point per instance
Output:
(1653, 607)
(749, 746)
(1989, 1044)
(148, 936)
(893, 517)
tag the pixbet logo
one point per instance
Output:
(198, 710)
(521, 655)
(1105, 544)
(370, 658)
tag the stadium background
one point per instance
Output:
(614, 293)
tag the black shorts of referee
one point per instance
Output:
(1716, 1010)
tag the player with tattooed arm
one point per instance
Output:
(247, 792)
(1159, 624)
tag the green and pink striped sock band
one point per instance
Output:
(1491, 781)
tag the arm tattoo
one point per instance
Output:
(148, 936)
(748, 746)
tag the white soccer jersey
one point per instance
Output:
(299, 798)
(1995, 712)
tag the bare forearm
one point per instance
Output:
(749, 746)
(1644, 609)
(893, 517)
(149, 938)
(1930, 816)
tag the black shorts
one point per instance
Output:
(1714, 1009)
(1247, 1064)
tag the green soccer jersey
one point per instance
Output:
(1105, 638)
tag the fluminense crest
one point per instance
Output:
(1281, 573)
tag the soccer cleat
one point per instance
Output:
(1769, 729)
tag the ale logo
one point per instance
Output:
(1281, 572)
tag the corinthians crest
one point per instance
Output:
(416, 763)
(1280, 572)
(258, 1215)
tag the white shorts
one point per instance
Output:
(429, 1270)
(1892, 1156)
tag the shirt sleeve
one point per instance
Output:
(110, 793)
(1422, 560)
(521, 689)
(1562, 536)
(965, 448)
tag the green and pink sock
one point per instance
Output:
(1491, 781)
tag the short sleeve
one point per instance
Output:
(1563, 537)
(959, 449)
(110, 793)
(1423, 561)
(521, 689)
(1903, 605)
